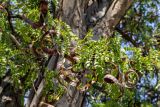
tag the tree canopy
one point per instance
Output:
(100, 52)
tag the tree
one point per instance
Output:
(63, 52)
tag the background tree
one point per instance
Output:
(73, 53)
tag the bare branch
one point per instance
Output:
(126, 36)
(38, 94)
(14, 33)
(15, 41)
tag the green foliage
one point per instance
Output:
(99, 105)
(53, 90)
(101, 57)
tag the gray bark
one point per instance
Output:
(36, 97)
(81, 15)
(8, 96)
(100, 15)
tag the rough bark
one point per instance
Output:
(35, 97)
(73, 12)
(80, 15)
(73, 98)
(8, 96)
(114, 14)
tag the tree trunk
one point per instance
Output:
(100, 15)
(81, 15)
(8, 96)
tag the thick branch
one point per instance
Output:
(72, 12)
(38, 94)
(33, 24)
(106, 26)
(14, 33)
(52, 64)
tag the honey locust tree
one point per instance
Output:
(77, 53)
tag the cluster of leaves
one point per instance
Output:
(105, 56)
(141, 24)
(141, 21)
(99, 56)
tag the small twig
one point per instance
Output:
(15, 41)
(126, 36)
(34, 89)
